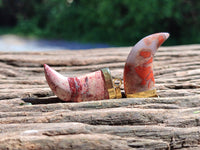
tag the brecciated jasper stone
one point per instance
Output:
(93, 86)
(138, 71)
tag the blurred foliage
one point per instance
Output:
(118, 22)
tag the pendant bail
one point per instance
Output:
(113, 88)
(117, 87)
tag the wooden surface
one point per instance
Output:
(31, 117)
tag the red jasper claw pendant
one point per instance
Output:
(93, 86)
(138, 76)
(138, 71)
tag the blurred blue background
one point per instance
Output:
(83, 24)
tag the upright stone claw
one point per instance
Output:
(138, 70)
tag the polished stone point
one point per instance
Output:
(97, 85)
(138, 71)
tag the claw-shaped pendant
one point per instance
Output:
(93, 86)
(138, 71)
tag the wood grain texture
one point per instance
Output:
(31, 117)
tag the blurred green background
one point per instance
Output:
(115, 22)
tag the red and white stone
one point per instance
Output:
(138, 71)
(77, 89)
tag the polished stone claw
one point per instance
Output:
(138, 71)
(93, 86)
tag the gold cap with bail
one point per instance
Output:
(113, 88)
(145, 94)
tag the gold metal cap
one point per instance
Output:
(113, 89)
(145, 94)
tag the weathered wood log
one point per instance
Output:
(31, 117)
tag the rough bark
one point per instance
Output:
(31, 117)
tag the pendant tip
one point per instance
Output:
(167, 35)
(45, 66)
